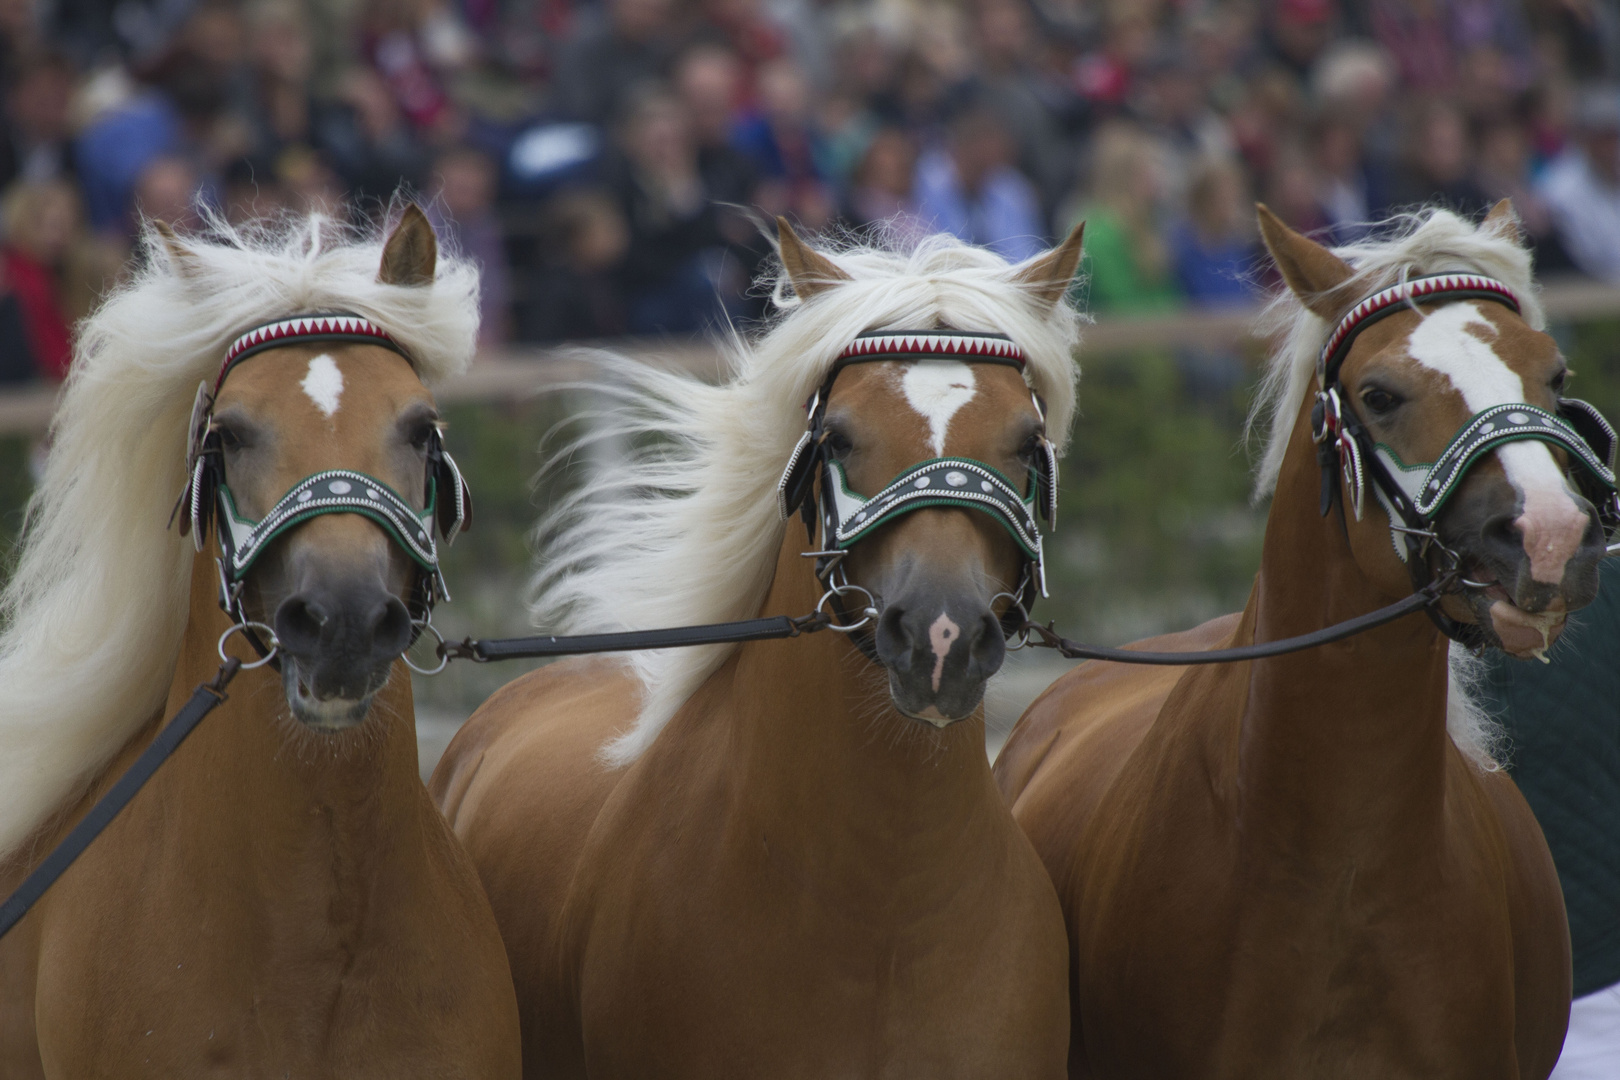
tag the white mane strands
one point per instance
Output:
(687, 531)
(93, 615)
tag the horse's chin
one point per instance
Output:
(1521, 634)
(931, 714)
(329, 715)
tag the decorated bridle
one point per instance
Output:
(847, 518)
(1413, 494)
(447, 503)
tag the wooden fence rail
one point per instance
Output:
(514, 373)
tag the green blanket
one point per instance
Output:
(1563, 719)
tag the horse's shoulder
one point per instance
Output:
(1097, 709)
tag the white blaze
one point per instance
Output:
(936, 389)
(940, 635)
(1552, 524)
(324, 384)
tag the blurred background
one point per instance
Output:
(606, 161)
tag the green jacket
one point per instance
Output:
(1563, 720)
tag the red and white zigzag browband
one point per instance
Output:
(1385, 301)
(335, 327)
(957, 344)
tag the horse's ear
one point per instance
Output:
(411, 252)
(1048, 276)
(1505, 222)
(182, 258)
(810, 271)
(1316, 275)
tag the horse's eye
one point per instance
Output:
(1031, 447)
(837, 444)
(420, 436)
(1559, 380)
(229, 440)
(1379, 400)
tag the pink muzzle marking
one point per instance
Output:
(940, 636)
(1553, 527)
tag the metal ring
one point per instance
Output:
(868, 613)
(1021, 636)
(243, 626)
(426, 626)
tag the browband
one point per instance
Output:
(337, 326)
(966, 345)
(1388, 301)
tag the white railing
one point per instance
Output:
(513, 373)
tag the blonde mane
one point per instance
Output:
(93, 615)
(687, 530)
(1410, 245)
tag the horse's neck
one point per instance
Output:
(827, 762)
(1346, 742)
(324, 815)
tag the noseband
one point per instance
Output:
(1414, 494)
(447, 501)
(847, 518)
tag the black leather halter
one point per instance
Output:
(207, 499)
(1413, 495)
(846, 518)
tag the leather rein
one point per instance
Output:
(845, 518)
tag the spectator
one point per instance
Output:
(675, 269)
(1504, 173)
(1127, 262)
(167, 189)
(41, 221)
(132, 127)
(1439, 161)
(577, 292)
(606, 60)
(463, 212)
(1582, 187)
(1213, 249)
(971, 189)
(35, 144)
(1351, 191)
(784, 145)
(883, 193)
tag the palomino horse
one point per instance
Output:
(282, 899)
(1288, 867)
(792, 860)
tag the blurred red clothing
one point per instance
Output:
(49, 336)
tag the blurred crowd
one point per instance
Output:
(609, 162)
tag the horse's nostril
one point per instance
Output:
(390, 627)
(299, 622)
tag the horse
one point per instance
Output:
(282, 898)
(788, 858)
(1311, 865)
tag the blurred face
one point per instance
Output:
(164, 191)
(889, 163)
(639, 19)
(466, 184)
(39, 104)
(1444, 149)
(1603, 151)
(660, 137)
(784, 93)
(707, 83)
(47, 226)
(282, 51)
